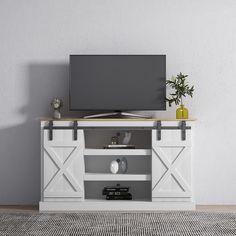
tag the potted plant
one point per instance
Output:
(181, 89)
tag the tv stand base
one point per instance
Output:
(93, 205)
(116, 114)
(75, 165)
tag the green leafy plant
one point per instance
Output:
(181, 89)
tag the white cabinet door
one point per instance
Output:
(171, 166)
(63, 166)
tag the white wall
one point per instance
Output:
(36, 37)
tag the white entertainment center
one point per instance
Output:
(75, 165)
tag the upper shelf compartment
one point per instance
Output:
(98, 139)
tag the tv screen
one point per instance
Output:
(117, 82)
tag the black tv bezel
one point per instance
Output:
(109, 110)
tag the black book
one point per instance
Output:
(106, 190)
(117, 193)
(121, 197)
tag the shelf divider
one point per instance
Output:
(117, 152)
(116, 177)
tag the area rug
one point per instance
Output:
(118, 224)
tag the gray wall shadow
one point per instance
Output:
(20, 145)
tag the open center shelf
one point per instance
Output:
(98, 139)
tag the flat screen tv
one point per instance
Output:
(117, 82)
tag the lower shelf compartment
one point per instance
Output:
(140, 190)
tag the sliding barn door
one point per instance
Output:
(63, 166)
(171, 166)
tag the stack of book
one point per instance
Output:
(117, 193)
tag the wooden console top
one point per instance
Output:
(115, 119)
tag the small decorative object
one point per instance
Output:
(114, 166)
(120, 166)
(56, 105)
(181, 89)
(127, 138)
(182, 112)
(115, 139)
(123, 165)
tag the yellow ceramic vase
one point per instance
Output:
(182, 112)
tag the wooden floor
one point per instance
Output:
(205, 208)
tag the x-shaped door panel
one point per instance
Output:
(50, 189)
(164, 169)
